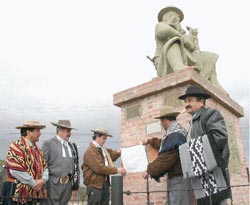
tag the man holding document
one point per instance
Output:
(168, 160)
(97, 166)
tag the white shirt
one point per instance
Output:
(103, 153)
(67, 144)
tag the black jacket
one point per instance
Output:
(210, 121)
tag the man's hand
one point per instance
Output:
(39, 184)
(121, 171)
(144, 142)
(145, 175)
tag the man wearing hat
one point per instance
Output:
(59, 155)
(97, 166)
(176, 50)
(209, 122)
(168, 160)
(26, 168)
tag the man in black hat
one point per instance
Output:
(168, 160)
(209, 122)
(60, 156)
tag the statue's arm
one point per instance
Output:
(163, 31)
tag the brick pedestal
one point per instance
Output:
(140, 104)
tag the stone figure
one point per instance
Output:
(176, 49)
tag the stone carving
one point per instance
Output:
(234, 160)
(176, 49)
(133, 111)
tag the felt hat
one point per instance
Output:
(101, 131)
(31, 124)
(167, 112)
(196, 91)
(170, 8)
(63, 124)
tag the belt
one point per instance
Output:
(64, 180)
(12, 180)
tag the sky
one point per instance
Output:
(66, 59)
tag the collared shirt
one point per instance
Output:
(25, 177)
(64, 142)
(103, 152)
(191, 124)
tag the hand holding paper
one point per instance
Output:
(134, 158)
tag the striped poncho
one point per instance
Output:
(22, 157)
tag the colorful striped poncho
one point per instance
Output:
(22, 157)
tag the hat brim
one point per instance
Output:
(63, 126)
(183, 97)
(100, 132)
(170, 8)
(30, 126)
(174, 114)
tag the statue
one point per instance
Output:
(176, 50)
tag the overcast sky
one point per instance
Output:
(66, 59)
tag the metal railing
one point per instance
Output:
(117, 193)
(117, 190)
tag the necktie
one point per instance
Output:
(66, 148)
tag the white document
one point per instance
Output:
(134, 159)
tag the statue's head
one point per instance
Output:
(169, 11)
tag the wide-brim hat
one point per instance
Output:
(63, 124)
(31, 124)
(196, 91)
(167, 112)
(101, 131)
(170, 8)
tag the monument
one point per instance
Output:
(179, 63)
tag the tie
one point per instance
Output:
(66, 149)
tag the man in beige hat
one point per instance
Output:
(60, 156)
(168, 160)
(26, 167)
(97, 166)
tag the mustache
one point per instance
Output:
(188, 106)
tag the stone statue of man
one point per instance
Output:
(176, 50)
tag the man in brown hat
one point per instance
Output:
(168, 160)
(59, 154)
(97, 166)
(26, 168)
(208, 122)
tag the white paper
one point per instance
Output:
(134, 159)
